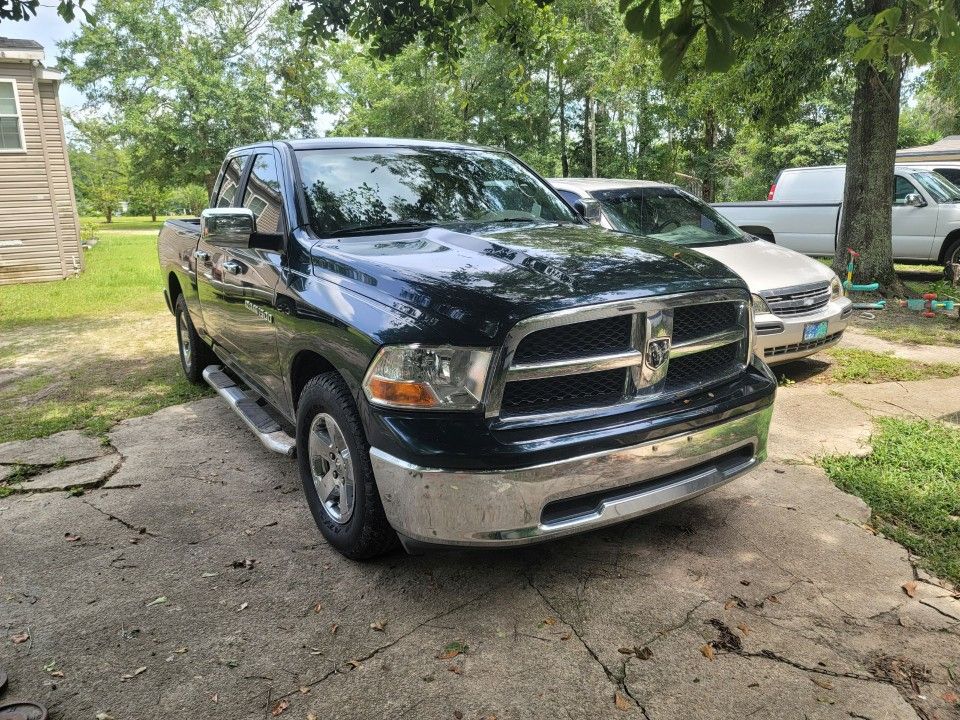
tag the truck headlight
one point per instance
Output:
(759, 305)
(836, 288)
(427, 377)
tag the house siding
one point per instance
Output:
(39, 232)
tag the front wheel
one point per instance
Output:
(951, 260)
(195, 354)
(334, 462)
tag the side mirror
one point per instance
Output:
(227, 227)
(915, 199)
(588, 209)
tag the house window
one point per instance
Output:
(11, 129)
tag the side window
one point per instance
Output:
(901, 188)
(11, 131)
(951, 174)
(230, 181)
(570, 197)
(263, 193)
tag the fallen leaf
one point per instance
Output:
(50, 666)
(181, 650)
(910, 588)
(318, 608)
(452, 649)
(773, 599)
(159, 601)
(304, 690)
(951, 697)
(550, 621)
(280, 707)
(354, 664)
(333, 629)
(745, 583)
(138, 671)
(744, 628)
(104, 716)
(243, 606)
(644, 653)
(625, 651)
(311, 716)
(209, 574)
(620, 701)
(458, 715)
(566, 636)
(455, 669)
(20, 637)
(57, 673)
(822, 682)
(707, 651)
(70, 537)
(378, 625)
(215, 698)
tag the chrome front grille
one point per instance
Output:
(798, 300)
(569, 363)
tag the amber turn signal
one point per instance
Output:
(398, 392)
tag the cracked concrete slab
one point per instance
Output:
(199, 561)
(81, 474)
(66, 446)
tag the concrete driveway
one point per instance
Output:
(190, 581)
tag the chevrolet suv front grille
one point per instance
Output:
(567, 364)
(798, 300)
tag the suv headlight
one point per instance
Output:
(760, 306)
(427, 378)
(836, 288)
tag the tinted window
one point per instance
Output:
(951, 174)
(937, 185)
(666, 214)
(353, 188)
(570, 197)
(901, 188)
(230, 181)
(263, 193)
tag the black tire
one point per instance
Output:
(951, 255)
(195, 354)
(366, 533)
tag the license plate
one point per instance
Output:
(815, 331)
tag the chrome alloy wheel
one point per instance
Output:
(332, 468)
(183, 331)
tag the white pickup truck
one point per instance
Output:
(803, 213)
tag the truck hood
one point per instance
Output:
(765, 266)
(488, 281)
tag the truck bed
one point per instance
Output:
(810, 228)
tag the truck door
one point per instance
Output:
(250, 279)
(209, 257)
(914, 228)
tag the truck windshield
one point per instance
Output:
(380, 188)
(667, 214)
(937, 185)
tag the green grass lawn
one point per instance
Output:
(866, 366)
(122, 275)
(125, 222)
(911, 481)
(92, 350)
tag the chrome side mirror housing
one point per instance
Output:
(227, 227)
(588, 209)
(915, 200)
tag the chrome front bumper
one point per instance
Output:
(527, 505)
(779, 339)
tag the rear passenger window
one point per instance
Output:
(951, 174)
(230, 182)
(263, 193)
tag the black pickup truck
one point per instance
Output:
(452, 353)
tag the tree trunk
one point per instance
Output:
(709, 144)
(153, 215)
(564, 160)
(593, 137)
(109, 214)
(865, 223)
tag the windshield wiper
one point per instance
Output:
(380, 227)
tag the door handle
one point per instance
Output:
(233, 267)
(201, 255)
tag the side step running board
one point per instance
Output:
(255, 417)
